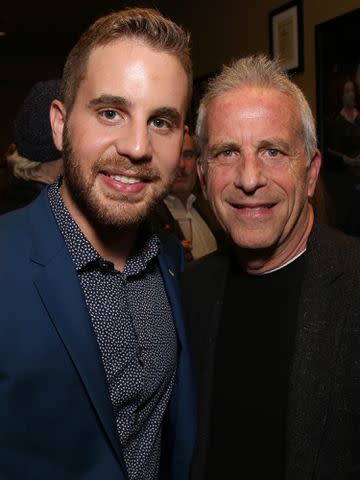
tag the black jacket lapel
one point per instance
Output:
(320, 322)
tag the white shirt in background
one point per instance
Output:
(192, 225)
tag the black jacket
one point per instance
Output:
(323, 440)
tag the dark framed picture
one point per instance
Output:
(286, 36)
(338, 89)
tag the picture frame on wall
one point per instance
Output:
(338, 88)
(338, 117)
(286, 36)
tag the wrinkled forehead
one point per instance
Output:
(249, 106)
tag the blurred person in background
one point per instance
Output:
(185, 212)
(32, 161)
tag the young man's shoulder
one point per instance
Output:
(14, 224)
(18, 226)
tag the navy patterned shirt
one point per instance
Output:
(133, 324)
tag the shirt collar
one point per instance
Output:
(82, 251)
(174, 202)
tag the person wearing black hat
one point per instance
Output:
(32, 161)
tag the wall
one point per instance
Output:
(220, 31)
(230, 29)
(40, 35)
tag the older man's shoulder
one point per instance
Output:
(338, 247)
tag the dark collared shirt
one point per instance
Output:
(133, 324)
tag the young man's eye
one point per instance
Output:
(109, 114)
(161, 123)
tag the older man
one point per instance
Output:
(95, 381)
(274, 324)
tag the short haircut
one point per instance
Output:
(145, 24)
(258, 71)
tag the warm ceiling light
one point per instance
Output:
(2, 34)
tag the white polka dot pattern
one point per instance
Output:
(133, 324)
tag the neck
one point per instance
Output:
(259, 262)
(183, 197)
(113, 244)
(48, 172)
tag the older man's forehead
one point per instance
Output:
(251, 104)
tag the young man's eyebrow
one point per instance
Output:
(109, 100)
(118, 101)
(168, 112)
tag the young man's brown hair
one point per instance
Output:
(147, 25)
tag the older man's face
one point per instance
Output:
(255, 172)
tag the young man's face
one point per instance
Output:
(256, 174)
(122, 139)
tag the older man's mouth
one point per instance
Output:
(252, 210)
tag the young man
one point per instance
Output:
(274, 323)
(95, 381)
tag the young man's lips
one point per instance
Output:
(126, 179)
(127, 176)
(125, 184)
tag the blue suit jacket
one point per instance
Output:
(56, 417)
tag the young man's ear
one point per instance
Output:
(313, 173)
(202, 176)
(57, 119)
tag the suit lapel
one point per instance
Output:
(179, 431)
(58, 286)
(318, 330)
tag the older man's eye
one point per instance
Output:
(273, 152)
(227, 153)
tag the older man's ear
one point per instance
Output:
(313, 173)
(202, 176)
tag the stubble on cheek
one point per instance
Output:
(101, 208)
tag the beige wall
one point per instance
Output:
(234, 28)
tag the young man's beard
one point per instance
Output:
(111, 214)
